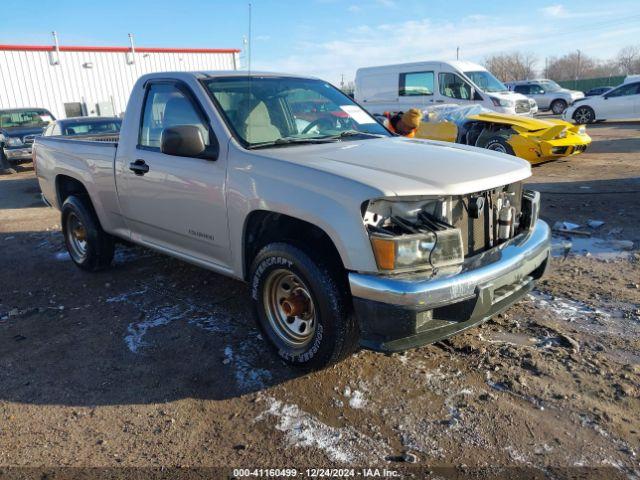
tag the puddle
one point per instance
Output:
(247, 376)
(590, 246)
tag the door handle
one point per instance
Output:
(139, 167)
(440, 101)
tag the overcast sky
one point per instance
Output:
(328, 38)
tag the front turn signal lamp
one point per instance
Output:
(405, 252)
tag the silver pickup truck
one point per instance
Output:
(348, 235)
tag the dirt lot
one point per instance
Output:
(158, 363)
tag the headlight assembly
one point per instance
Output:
(435, 249)
(582, 130)
(14, 142)
(501, 102)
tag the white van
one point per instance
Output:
(393, 88)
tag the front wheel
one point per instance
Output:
(584, 115)
(558, 106)
(300, 308)
(90, 247)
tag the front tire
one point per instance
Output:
(558, 106)
(90, 247)
(499, 144)
(584, 115)
(300, 308)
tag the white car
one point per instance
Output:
(396, 88)
(620, 103)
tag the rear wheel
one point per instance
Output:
(558, 106)
(499, 144)
(584, 115)
(90, 247)
(300, 308)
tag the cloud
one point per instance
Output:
(409, 41)
(557, 11)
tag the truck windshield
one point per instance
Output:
(550, 86)
(24, 118)
(268, 111)
(487, 82)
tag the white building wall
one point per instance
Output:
(29, 79)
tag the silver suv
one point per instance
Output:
(547, 94)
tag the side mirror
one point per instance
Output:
(186, 141)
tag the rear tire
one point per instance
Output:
(90, 247)
(304, 315)
(558, 106)
(584, 115)
(499, 144)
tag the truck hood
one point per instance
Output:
(400, 166)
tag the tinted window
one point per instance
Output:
(536, 89)
(524, 89)
(167, 106)
(25, 118)
(624, 90)
(452, 86)
(92, 128)
(416, 84)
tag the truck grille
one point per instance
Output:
(476, 232)
(523, 106)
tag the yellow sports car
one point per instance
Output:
(533, 139)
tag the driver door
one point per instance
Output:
(178, 204)
(453, 89)
(621, 102)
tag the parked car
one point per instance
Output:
(597, 91)
(621, 103)
(18, 128)
(547, 94)
(396, 88)
(346, 234)
(533, 139)
(84, 126)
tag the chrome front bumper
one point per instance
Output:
(437, 306)
(18, 153)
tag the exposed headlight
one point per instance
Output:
(14, 142)
(502, 102)
(437, 249)
(562, 134)
(582, 130)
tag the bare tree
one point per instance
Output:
(512, 66)
(628, 59)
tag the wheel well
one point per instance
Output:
(262, 228)
(66, 186)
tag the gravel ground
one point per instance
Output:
(156, 363)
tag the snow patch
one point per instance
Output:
(340, 444)
(248, 377)
(590, 246)
(161, 316)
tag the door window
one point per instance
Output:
(167, 106)
(523, 89)
(625, 90)
(452, 86)
(416, 84)
(535, 90)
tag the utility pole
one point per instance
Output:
(342, 82)
(457, 53)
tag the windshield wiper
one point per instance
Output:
(356, 133)
(293, 140)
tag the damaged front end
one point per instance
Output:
(419, 234)
(447, 263)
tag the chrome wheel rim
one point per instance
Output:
(290, 308)
(583, 115)
(496, 147)
(76, 237)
